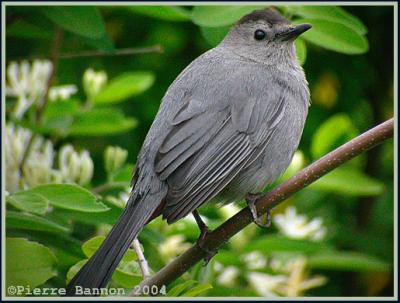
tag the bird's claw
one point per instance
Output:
(200, 243)
(251, 199)
(204, 231)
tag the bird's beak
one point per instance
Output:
(294, 32)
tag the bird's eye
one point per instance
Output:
(259, 34)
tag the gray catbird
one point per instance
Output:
(227, 126)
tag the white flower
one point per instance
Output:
(114, 158)
(217, 266)
(297, 227)
(173, 246)
(267, 285)
(62, 92)
(228, 276)
(16, 141)
(37, 167)
(93, 82)
(255, 260)
(298, 282)
(27, 83)
(293, 282)
(75, 167)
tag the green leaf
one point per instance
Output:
(349, 181)
(335, 131)
(178, 289)
(93, 218)
(215, 16)
(334, 36)
(82, 20)
(126, 275)
(68, 196)
(330, 13)
(24, 30)
(278, 243)
(101, 122)
(214, 35)
(347, 261)
(124, 174)
(301, 50)
(197, 290)
(29, 202)
(61, 107)
(125, 86)
(167, 13)
(228, 258)
(103, 43)
(126, 279)
(28, 263)
(74, 270)
(93, 244)
(31, 222)
(58, 116)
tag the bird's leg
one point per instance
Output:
(251, 199)
(204, 230)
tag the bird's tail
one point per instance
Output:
(98, 270)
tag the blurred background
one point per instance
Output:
(334, 238)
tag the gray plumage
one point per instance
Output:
(227, 126)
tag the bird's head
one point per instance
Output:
(264, 35)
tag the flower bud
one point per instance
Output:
(114, 158)
(93, 82)
(75, 167)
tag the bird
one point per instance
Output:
(227, 126)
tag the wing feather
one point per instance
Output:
(206, 149)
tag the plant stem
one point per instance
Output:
(118, 52)
(144, 266)
(39, 114)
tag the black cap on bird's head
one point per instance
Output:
(284, 31)
(264, 36)
(270, 15)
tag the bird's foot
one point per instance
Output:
(251, 200)
(209, 253)
(204, 231)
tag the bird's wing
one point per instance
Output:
(208, 147)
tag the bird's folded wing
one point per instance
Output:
(208, 147)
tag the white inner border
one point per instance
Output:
(395, 95)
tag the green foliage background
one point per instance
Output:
(348, 60)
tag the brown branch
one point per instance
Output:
(308, 175)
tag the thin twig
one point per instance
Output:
(144, 266)
(54, 58)
(313, 172)
(39, 113)
(118, 52)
